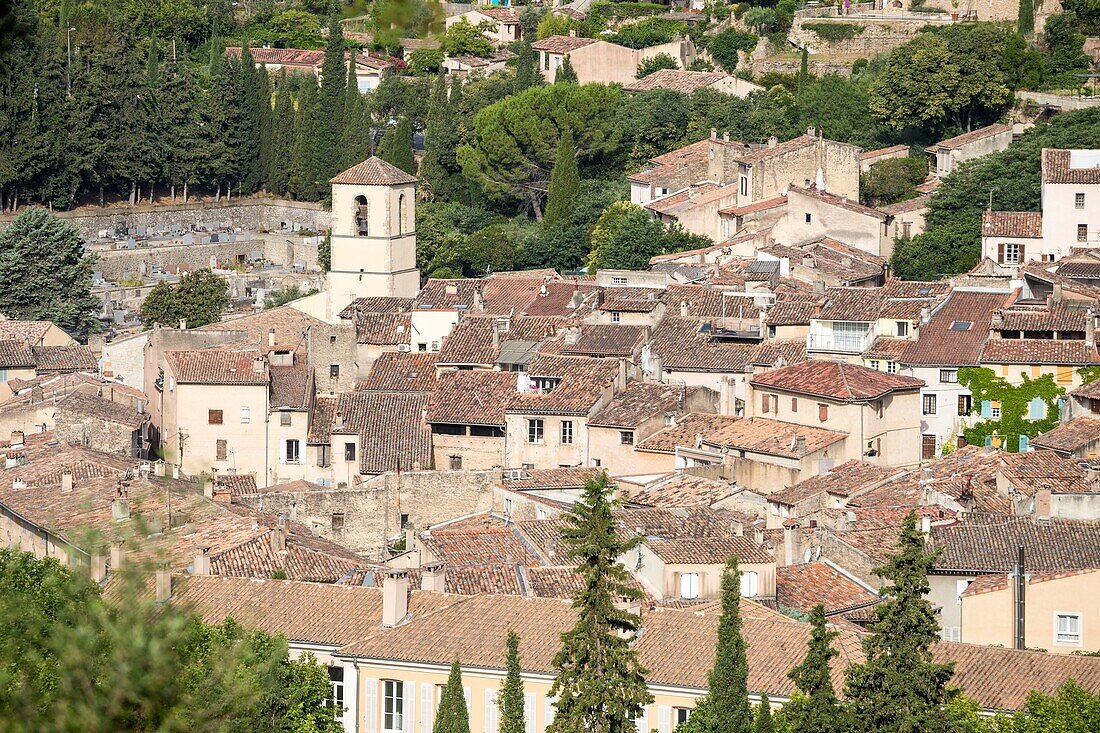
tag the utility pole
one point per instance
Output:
(69, 63)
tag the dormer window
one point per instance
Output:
(361, 212)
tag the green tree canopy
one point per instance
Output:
(466, 39)
(656, 63)
(600, 685)
(565, 181)
(815, 709)
(625, 237)
(199, 298)
(510, 699)
(45, 275)
(452, 715)
(893, 180)
(723, 47)
(566, 74)
(396, 147)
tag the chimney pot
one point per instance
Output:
(164, 585)
(17, 439)
(433, 578)
(120, 508)
(183, 324)
(278, 538)
(792, 544)
(66, 481)
(117, 557)
(1043, 503)
(395, 597)
(926, 524)
(98, 568)
(271, 337)
(683, 309)
(202, 562)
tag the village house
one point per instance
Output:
(868, 158)
(603, 62)
(501, 24)
(687, 82)
(370, 68)
(466, 415)
(22, 361)
(828, 261)
(1043, 484)
(878, 410)
(948, 154)
(812, 214)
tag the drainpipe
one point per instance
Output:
(1019, 602)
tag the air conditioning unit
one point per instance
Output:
(404, 347)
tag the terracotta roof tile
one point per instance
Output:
(973, 136)
(480, 541)
(776, 202)
(833, 257)
(373, 172)
(29, 332)
(582, 381)
(1059, 166)
(886, 348)
(1045, 317)
(218, 367)
(682, 490)
(990, 545)
(397, 371)
(1038, 351)
(871, 154)
(851, 304)
(1018, 224)
(842, 480)
(715, 550)
(676, 80)
(86, 405)
(391, 428)
(607, 340)
(639, 402)
(320, 420)
(71, 358)
(803, 586)
(842, 202)
(471, 397)
(561, 44)
(1034, 470)
(291, 386)
(835, 380)
(16, 355)
(957, 330)
(1071, 436)
(757, 435)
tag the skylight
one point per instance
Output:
(961, 325)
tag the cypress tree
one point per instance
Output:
(452, 716)
(324, 253)
(526, 64)
(510, 699)
(303, 183)
(44, 274)
(219, 124)
(330, 118)
(282, 139)
(565, 181)
(267, 122)
(247, 141)
(600, 684)
(355, 138)
(438, 135)
(184, 150)
(899, 687)
(815, 710)
(764, 722)
(725, 708)
(1026, 19)
(804, 70)
(566, 73)
(396, 147)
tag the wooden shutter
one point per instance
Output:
(642, 723)
(551, 711)
(408, 707)
(765, 403)
(664, 719)
(962, 405)
(427, 709)
(490, 711)
(1020, 248)
(822, 412)
(1001, 253)
(529, 712)
(370, 703)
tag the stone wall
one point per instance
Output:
(373, 509)
(282, 250)
(98, 434)
(247, 214)
(876, 37)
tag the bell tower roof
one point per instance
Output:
(374, 172)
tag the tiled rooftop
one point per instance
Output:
(373, 172)
(835, 380)
(990, 544)
(1016, 224)
(957, 330)
(1038, 351)
(642, 401)
(397, 371)
(842, 480)
(472, 397)
(803, 586)
(218, 367)
(1069, 437)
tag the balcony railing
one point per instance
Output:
(841, 343)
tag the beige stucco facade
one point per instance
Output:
(810, 218)
(988, 618)
(603, 62)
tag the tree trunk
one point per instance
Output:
(173, 193)
(151, 187)
(185, 191)
(133, 192)
(218, 192)
(101, 198)
(533, 196)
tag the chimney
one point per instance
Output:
(395, 597)
(798, 445)
(98, 568)
(1019, 608)
(726, 136)
(66, 481)
(1090, 329)
(164, 585)
(683, 309)
(433, 578)
(117, 556)
(620, 383)
(773, 141)
(201, 566)
(208, 488)
(278, 537)
(811, 131)
(183, 324)
(792, 544)
(925, 524)
(572, 33)
(996, 321)
(258, 365)
(120, 508)
(17, 439)
(576, 300)
(657, 364)
(925, 315)
(1042, 503)
(271, 337)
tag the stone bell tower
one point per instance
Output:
(373, 234)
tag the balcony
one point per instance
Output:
(848, 341)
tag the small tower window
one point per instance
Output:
(402, 215)
(361, 211)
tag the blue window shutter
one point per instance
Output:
(1023, 443)
(989, 440)
(1035, 409)
(986, 407)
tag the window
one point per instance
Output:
(1037, 409)
(336, 681)
(349, 451)
(892, 367)
(874, 364)
(689, 585)
(402, 214)
(545, 61)
(822, 412)
(626, 437)
(534, 431)
(454, 463)
(422, 347)
(995, 410)
(903, 328)
(246, 415)
(1078, 200)
(1011, 254)
(214, 417)
(952, 633)
(292, 450)
(323, 459)
(362, 211)
(966, 405)
(794, 404)
(749, 584)
(929, 401)
(1082, 232)
(222, 450)
(285, 418)
(567, 432)
(333, 371)
(682, 715)
(337, 521)
(744, 185)
(616, 316)
(765, 402)
(949, 376)
(404, 521)
(1067, 629)
(927, 447)
(906, 229)
(618, 281)
(332, 339)
(809, 217)
(393, 711)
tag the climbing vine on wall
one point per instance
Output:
(1015, 405)
(1089, 374)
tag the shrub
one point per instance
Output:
(834, 32)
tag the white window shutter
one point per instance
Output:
(370, 703)
(427, 709)
(529, 712)
(408, 719)
(490, 711)
(469, 699)
(551, 710)
(641, 723)
(664, 719)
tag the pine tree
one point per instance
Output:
(510, 699)
(600, 684)
(330, 101)
(396, 147)
(355, 137)
(815, 709)
(566, 73)
(452, 716)
(437, 136)
(526, 64)
(725, 708)
(899, 687)
(282, 138)
(764, 723)
(565, 181)
(44, 274)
